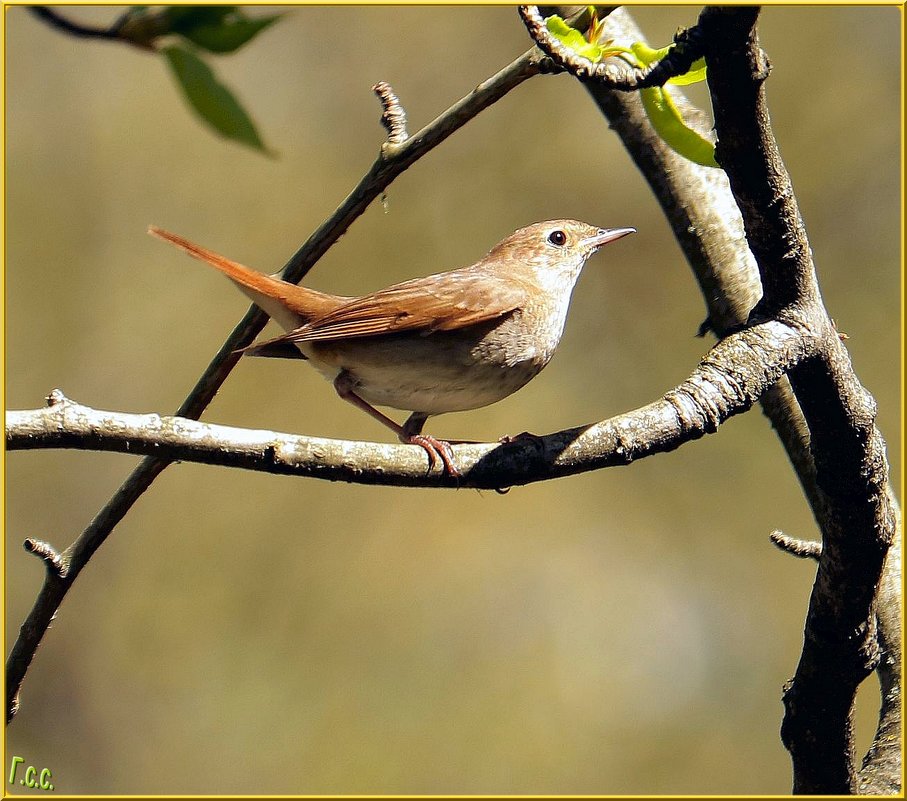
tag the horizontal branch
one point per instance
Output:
(731, 377)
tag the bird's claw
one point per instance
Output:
(436, 448)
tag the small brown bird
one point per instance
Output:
(444, 343)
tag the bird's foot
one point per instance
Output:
(436, 448)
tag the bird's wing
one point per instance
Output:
(436, 303)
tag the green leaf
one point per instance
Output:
(213, 101)
(228, 34)
(664, 114)
(661, 109)
(218, 29)
(669, 124)
(572, 38)
(184, 18)
(695, 75)
(647, 55)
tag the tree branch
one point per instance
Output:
(139, 35)
(55, 20)
(707, 224)
(711, 235)
(802, 549)
(880, 774)
(614, 73)
(834, 446)
(854, 506)
(729, 379)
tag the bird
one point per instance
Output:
(447, 342)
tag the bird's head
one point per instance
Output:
(554, 252)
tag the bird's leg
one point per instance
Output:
(343, 384)
(409, 432)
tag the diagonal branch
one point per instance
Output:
(126, 29)
(392, 160)
(58, 21)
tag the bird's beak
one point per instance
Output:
(604, 236)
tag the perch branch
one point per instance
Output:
(728, 381)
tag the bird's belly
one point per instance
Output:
(442, 372)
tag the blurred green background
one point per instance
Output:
(625, 631)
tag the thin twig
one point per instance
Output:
(55, 20)
(802, 549)
(139, 35)
(616, 73)
(393, 117)
(52, 560)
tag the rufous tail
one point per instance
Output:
(288, 304)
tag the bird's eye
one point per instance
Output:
(558, 238)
